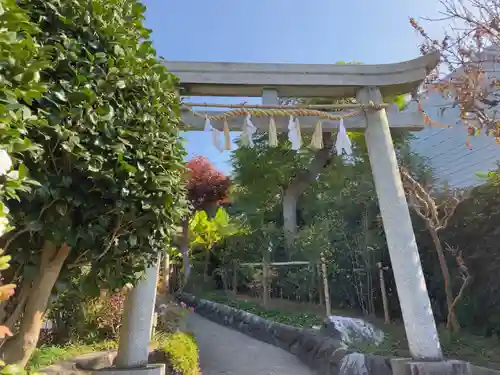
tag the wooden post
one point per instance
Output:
(328, 307)
(265, 281)
(384, 293)
(235, 278)
(320, 285)
(312, 279)
(423, 339)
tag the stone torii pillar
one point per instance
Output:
(137, 321)
(420, 328)
(421, 332)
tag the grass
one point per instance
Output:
(476, 349)
(47, 355)
(295, 318)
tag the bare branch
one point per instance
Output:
(437, 215)
(465, 275)
(470, 51)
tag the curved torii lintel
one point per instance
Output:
(299, 80)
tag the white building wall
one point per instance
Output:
(445, 149)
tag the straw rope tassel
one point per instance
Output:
(273, 137)
(299, 135)
(216, 140)
(292, 134)
(244, 135)
(317, 137)
(208, 124)
(248, 130)
(343, 143)
(227, 138)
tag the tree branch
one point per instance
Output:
(114, 236)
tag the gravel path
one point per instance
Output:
(224, 351)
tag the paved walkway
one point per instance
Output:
(224, 351)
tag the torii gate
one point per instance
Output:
(367, 83)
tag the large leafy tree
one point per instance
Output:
(337, 208)
(112, 164)
(279, 175)
(305, 175)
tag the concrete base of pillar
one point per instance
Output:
(403, 366)
(155, 369)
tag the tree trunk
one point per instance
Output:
(326, 289)
(290, 217)
(320, 286)
(224, 277)
(383, 292)
(452, 321)
(205, 265)
(312, 280)
(299, 184)
(20, 348)
(184, 249)
(265, 280)
(235, 278)
(211, 209)
(368, 260)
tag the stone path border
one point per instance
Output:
(319, 352)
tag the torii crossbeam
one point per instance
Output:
(302, 81)
(368, 83)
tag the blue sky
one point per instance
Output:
(283, 31)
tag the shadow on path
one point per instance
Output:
(224, 351)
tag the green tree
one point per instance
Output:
(111, 166)
(341, 197)
(281, 174)
(207, 232)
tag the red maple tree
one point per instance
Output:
(206, 185)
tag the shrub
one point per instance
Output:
(105, 314)
(181, 350)
(170, 316)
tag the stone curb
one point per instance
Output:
(319, 352)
